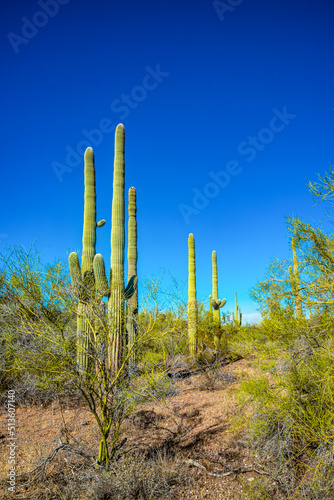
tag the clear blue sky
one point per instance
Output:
(234, 102)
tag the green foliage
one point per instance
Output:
(36, 306)
(275, 298)
(293, 413)
(256, 489)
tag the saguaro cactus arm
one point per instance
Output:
(75, 271)
(102, 285)
(89, 228)
(131, 287)
(217, 304)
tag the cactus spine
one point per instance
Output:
(192, 301)
(215, 302)
(83, 278)
(298, 297)
(132, 302)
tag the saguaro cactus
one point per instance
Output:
(237, 315)
(132, 302)
(116, 301)
(298, 297)
(83, 278)
(215, 302)
(192, 301)
(114, 289)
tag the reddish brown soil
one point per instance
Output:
(195, 421)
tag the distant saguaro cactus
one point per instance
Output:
(237, 315)
(192, 300)
(215, 302)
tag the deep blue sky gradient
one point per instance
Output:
(225, 78)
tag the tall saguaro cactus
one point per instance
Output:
(297, 294)
(116, 301)
(114, 289)
(192, 300)
(132, 302)
(215, 302)
(83, 278)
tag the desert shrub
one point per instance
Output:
(35, 304)
(168, 336)
(142, 478)
(292, 426)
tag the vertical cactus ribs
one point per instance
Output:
(192, 301)
(82, 278)
(215, 302)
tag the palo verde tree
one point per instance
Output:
(38, 336)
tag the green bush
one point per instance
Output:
(292, 425)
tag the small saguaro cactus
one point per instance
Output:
(237, 316)
(215, 302)
(114, 289)
(82, 278)
(296, 287)
(192, 301)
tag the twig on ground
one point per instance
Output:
(231, 471)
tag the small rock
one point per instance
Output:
(192, 413)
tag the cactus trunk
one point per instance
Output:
(237, 315)
(132, 302)
(216, 303)
(116, 302)
(83, 279)
(192, 301)
(216, 311)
